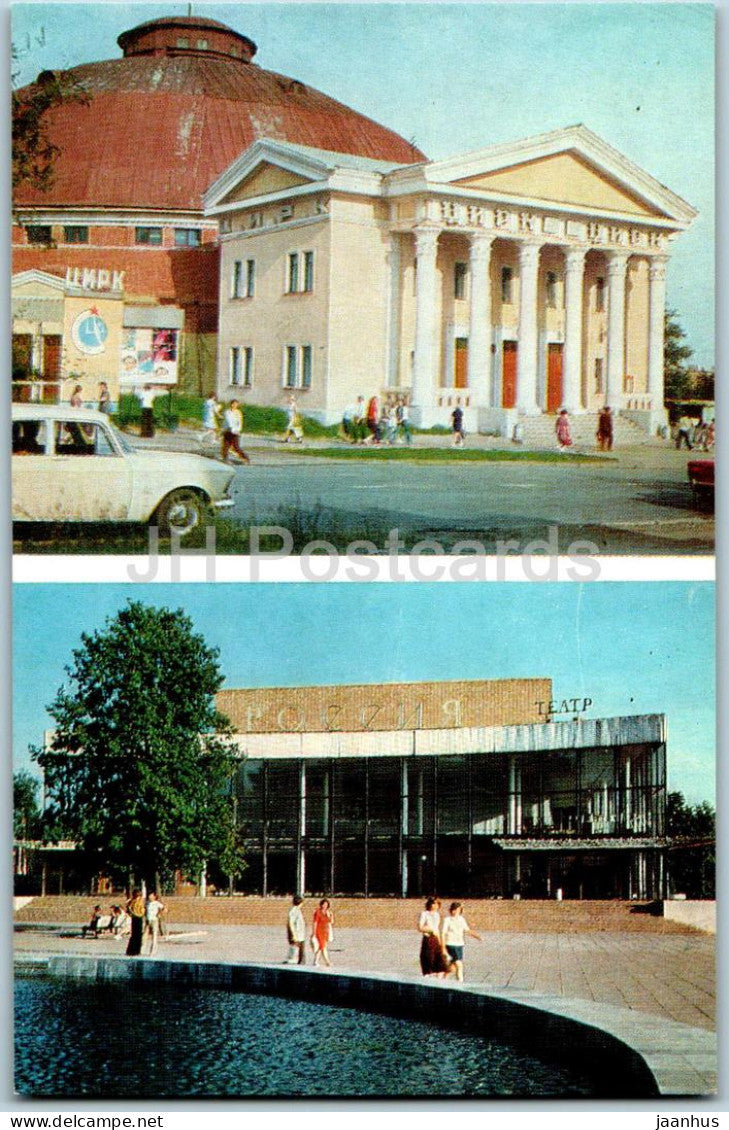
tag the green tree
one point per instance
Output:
(675, 359)
(26, 813)
(33, 152)
(140, 768)
(691, 831)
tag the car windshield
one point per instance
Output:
(122, 440)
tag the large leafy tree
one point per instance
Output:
(140, 767)
(692, 855)
(33, 151)
(26, 813)
(676, 354)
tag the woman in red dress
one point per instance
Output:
(321, 932)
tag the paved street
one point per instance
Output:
(638, 503)
(671, 976)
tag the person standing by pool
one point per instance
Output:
(322, 930)
(432, 959)
(296, 932)
(453, 933)
(152, 913)
(135, 910)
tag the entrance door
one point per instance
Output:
(51, 356)
(508, 375)
(554, 377)
(460, 363)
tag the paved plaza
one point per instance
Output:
(671, 975)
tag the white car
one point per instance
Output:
(73, 465)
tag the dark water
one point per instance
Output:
(108, 1040)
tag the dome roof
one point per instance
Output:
(185, 100)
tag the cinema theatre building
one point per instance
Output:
(479, 788)
(513, 281)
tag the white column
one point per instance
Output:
(479, 330)
(526, 370)
(616, 271)
(393, 313)
(426, 250)
(656, 316)
(574, 266)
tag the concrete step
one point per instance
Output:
(521, 916)
(540, 431)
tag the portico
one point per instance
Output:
(511, 282)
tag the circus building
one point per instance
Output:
(115, 266)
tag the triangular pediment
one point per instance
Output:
(38, 284)
(571, 168)
(564, 178)
(263, 180)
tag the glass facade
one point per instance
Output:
(589, 822)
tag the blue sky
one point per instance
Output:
(631, 647)
(456, 78)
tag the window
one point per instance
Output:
(73, 438)
(308, 271)
(599, 293)
(39, 233)
(551, 290)
(598, 376)
(306, 366)
(291, 367)
(188, 237)
(241, 366)
(292, 283)
(151, 236)
(202, 44)
(300, 272)
(507, 285)
(460, 273)
(75, 234)
(183, 41)
(244, 278)
(297, 366)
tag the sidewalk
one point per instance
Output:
(670, 976)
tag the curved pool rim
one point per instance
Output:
(649, 1055)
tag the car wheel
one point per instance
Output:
(181, 512)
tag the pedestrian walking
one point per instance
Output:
(373, 419)
(210, 418)
(605, 429)
(152, 911)
(453, 933)
(135, 910)
(432, 958)
(563, 432)
(232, 429)
(296, 933)
(684, 434)
(146, 397)
(77, 399)
(104, 398)
(294, 430)
(459, 435)
(322, 931)
(403, 420)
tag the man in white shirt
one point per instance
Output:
(453, 932)
(232, 428)
(296, 932)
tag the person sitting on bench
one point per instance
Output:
(93, 925)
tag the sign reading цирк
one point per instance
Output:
(388, 706)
